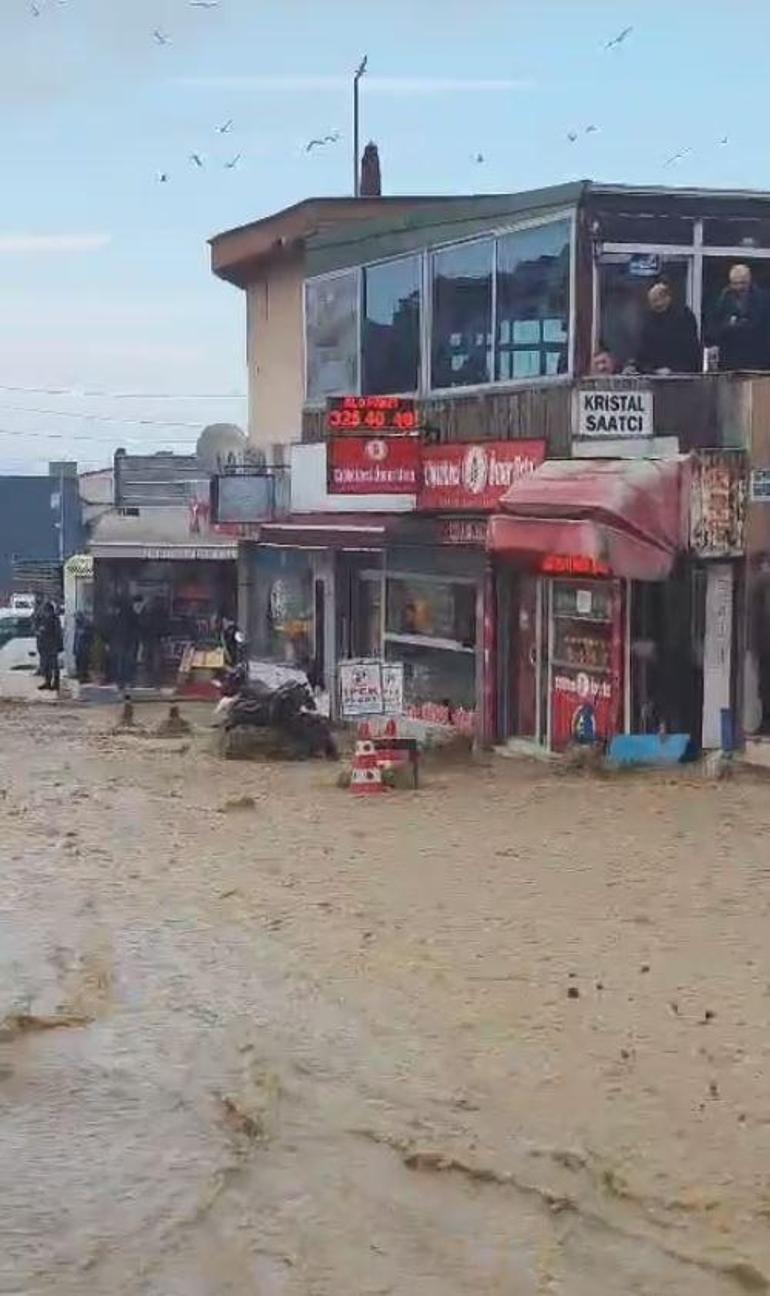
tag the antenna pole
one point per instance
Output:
(359, 72)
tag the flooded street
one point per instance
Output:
(510, 1034)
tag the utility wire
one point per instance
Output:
(101, 418)
(76, 394)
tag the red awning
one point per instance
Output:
(630, 515)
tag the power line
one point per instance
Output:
(76, 394)
(38, 435)
(101, 418)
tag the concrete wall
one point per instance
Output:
(275, 353)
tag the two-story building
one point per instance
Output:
(562, 544)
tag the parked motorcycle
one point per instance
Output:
(289, 710)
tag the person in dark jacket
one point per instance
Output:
(82, 646)
(669, 341)
(740, 325)
(51, 643)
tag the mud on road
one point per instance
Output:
(508, 1034)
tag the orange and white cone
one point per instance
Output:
(366, 774)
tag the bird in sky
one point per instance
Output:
(230, 166)
(677, 157)
(225, 127)
(618, 40)
(724, 140)
(572, 136)
(34, 10)
(204, 4)
(478, 158)
(320, 143)
(592, 130)
(196, 159)
(160, 37)
(163, 177)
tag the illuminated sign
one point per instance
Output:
(373, 465)
(572, 565)
(361, 414)
(462, 476)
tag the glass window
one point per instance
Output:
(391, 338)
(434, 609)
(462, 316)
(533, 301)
(331, 336)
(737, 231)
(645, 227)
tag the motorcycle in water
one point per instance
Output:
(290, 710)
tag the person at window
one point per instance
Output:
(669, 340)
(740, 327)
(603, 364)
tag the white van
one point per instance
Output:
(18, 648)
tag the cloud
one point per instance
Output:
(398, 86)
(57, 243)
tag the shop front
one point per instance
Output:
(588, 565)
(180, 593)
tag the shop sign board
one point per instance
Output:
(369, 687)
(373, 465)
(760, 486)
(718, 503)
(608, 412)
(462, 476)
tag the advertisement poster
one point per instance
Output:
(371, 688)
(457, 477)
(583, 709)
(373, 465)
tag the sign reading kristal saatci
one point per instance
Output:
(609, 413)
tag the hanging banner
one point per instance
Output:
(457, 477)
(373, 465)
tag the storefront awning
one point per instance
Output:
(628, 515)
(326, 531)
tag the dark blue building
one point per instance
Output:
(40, 527)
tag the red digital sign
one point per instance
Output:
(572, 565)
(375, 414)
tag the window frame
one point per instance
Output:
(425, 390)
(319, 402)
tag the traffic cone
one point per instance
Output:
(366, 774)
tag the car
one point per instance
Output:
(18, 647)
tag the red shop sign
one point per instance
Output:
(582, 699)
(373, 465)
(475, 476)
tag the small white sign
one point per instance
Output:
(360, 685)
(583, 602)
(613, 413)
(760, 486)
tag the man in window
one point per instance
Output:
(669, 339)
(740, 328)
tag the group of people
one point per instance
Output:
(737, 332)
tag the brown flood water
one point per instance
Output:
(506, 1035)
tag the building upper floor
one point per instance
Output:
(484, 296)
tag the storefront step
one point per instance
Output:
(526, 747)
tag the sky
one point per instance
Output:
(113, 331)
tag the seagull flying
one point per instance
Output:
(325, 139)
(163, 177)
(618, 40)
(225, 127)
(196, 159)
(572, 136)
(34, 10)
(230, 166)
(161, 37)
(677, 157)
(592, 130)
(724, 140)
(204, 4)
(478, 158)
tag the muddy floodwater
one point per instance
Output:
(509, 1034)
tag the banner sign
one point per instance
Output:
(609, 413)
(370, 688)
(373, 465)
(457, 477)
